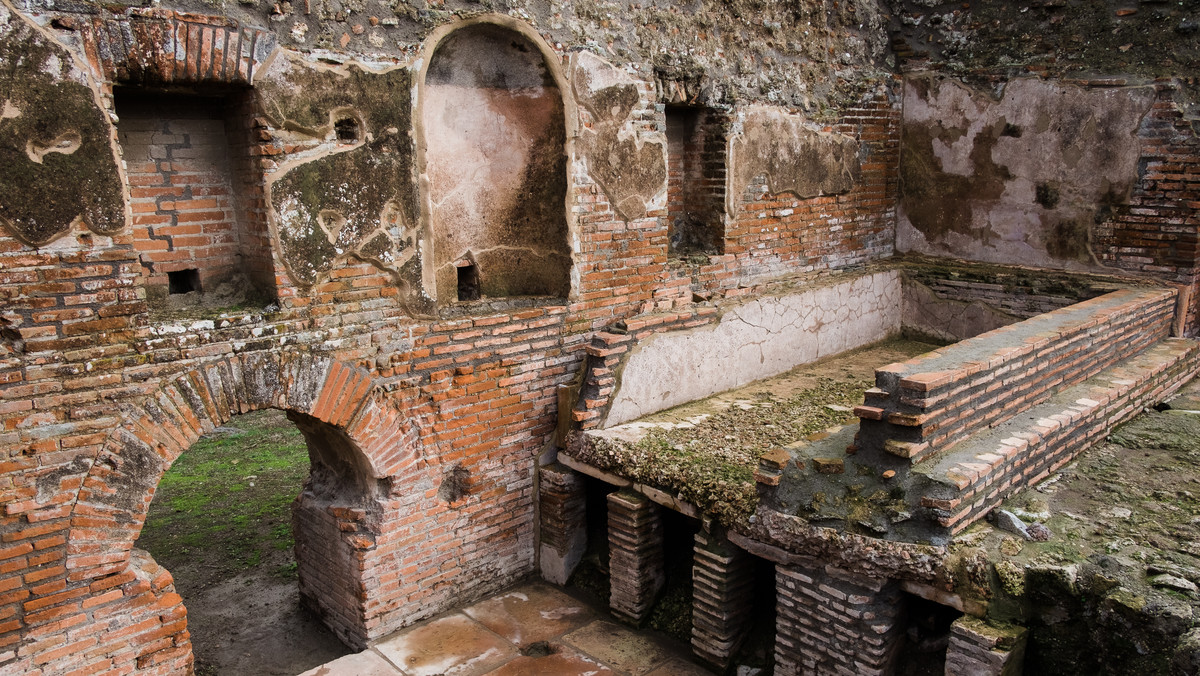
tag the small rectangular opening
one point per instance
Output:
(183, 281)
(468, 282)
(695, 180)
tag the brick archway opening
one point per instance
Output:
(359, 444)
(258, 523)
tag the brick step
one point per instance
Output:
(963, 484)
(926, 405)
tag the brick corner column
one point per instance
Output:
(722, 596)
(562, 505)
(980, 649)
(833, 621)
(636, 563)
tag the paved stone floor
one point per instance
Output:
(529, 630)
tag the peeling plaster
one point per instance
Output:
(629, 166)
(57, 162)
(1017, 175)
(782, 150)
(345, 199)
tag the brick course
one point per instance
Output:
(830, 621)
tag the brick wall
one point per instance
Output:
(967, 487)
(97, 398)
(833, 621)
(185, 172)
(1158, 231)
(696, 158)
(777, 233)
(931, 402)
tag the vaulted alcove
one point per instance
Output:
(495, 167)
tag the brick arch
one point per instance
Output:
(336, 403)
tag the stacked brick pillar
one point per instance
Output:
(562, 505)
(636, 564)
(830, 621)
(723, 596)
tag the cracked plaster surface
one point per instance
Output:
(756, 340)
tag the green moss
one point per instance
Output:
(40, 200)
(711, 465)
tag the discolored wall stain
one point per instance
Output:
(1018, 175)
(56, 161)
(357, 200)
(780, 149)
(630, 169)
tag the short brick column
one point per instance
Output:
(979, 649)
(829, 621)
(562, 503)
(722, 596)
(635, 543)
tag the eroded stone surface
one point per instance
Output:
(619, 647)
(563, 660)
(366, 663)
(56, 161)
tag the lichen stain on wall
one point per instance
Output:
(495, 165)
(631, 169)
(1020, 177)
(356, 199)
(56, 160)
(780, 149)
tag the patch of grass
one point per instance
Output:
(224, 506)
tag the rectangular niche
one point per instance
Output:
(199, 225)
(696, 159)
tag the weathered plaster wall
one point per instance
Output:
(495, 165)
(56, 161)
(348, 197)
(755, 340)
(786, 154)
(629, 166)
(1019, 174)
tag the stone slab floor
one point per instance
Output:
(529, 630)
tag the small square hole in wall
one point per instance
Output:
(183, 281)
(468, 282)
(347, 130)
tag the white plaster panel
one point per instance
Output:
(755, 340)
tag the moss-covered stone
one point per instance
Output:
(56, 162)
(360, 201)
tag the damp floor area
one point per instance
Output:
(532, 629)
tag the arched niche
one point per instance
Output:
(494, 165)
